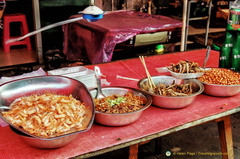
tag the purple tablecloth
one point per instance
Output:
(95, 41)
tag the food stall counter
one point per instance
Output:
(154, 122)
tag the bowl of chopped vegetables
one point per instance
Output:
(120, 106)
(170, 92)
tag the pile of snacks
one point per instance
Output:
(220, 76)
(185, 66)
(172, 90)
(47, 115)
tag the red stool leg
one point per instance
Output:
(6, 34)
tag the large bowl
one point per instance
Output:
(124, 118)
(220, 90)
(172, 102)
(52, 84)
(45, 144)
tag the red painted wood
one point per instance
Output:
(152, 121)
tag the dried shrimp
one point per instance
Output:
(47, 115)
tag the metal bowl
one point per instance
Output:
(172, 102)
(52, 84)
(220, 90)
(45, 144)
(180, 75)
(186, 75)
(124, 118)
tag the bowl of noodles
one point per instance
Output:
(170, 92)
(120, 106)
(47, 111)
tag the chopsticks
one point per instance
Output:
(151, 84)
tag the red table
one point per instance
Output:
(95, 41)
(155, 122)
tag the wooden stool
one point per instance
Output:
(20, 18)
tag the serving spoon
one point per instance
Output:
(4, 107)
(99, 87)
(206, 57)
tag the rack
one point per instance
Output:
(187, 19)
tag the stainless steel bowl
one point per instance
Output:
(221, 90)
(45, 144)
(52, 84)
(120, 119)
(172, 102)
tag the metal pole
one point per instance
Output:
(183, 35)
(37, 25)
(208, 22)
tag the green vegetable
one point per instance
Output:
(116, 101)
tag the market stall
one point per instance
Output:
(154, 122)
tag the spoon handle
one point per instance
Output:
(99, 87)
(4, 107)
(207, 56)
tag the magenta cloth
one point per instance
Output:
(95, 41)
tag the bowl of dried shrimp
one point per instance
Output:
(170, 92)
(185, 69)
(120, 106)
(47, 111)
(220, 82)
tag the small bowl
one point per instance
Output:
(180, 75)
(186, 75)
(52, 84)
(172, 102)
(45, 144)
(124, 118)
(220, 90)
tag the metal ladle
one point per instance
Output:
(4, 107)
(99, 87)
(206, 57)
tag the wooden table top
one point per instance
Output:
(154, 122)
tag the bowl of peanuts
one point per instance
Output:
(220, 82)
(170, 92)
(47, 111)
